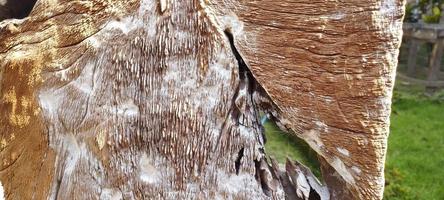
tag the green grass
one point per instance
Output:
(281, 145)
(415, 158)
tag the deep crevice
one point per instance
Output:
(238, 161)
(260, 103)
(248, 82)
(261, 176)
(16, 9)
(243, 69)
(247, 79)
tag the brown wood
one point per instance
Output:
(160, 99)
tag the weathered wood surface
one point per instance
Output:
(160, 99)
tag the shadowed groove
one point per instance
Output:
(15, 9)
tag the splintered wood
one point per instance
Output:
(161, 99)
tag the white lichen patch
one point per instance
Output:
(143, 19)
(343, 151)
(94, 42)
(246, 132)
(125, 25)
(340, 167)
(147, 172)
(384, 19)
(321, 126)
(334, 16)
(111, 194)
(387, 7)
(150, 22)
(74, 152)
(312, 137)
(128, 109)
(233, 184)
(232, 23)
(85, 81)
(163, 5)
(356, 169)
(50, 101)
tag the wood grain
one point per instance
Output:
(329, 67)
(147, 99)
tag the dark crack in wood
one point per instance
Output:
(14, 9)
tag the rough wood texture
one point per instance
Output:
(160, 99)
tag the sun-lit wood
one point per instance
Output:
(161, 99)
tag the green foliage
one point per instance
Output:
(431, 11)
(438, 96)
(408, 12)
(433, 17)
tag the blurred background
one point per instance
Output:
(415, 157)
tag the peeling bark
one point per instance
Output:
(160, 99)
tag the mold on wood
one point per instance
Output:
(161, 99)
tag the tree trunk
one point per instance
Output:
(161, 99)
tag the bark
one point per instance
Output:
(160, 99)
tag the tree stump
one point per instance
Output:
(161, 99)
